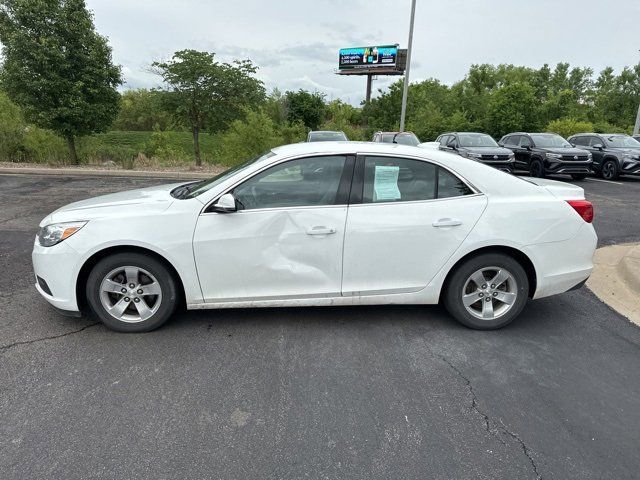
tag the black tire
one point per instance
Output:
(536, 168)
(578, 176)
(609, 170)
(162, 305)
(455, 288)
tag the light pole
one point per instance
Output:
(405, 90)
(636, 128)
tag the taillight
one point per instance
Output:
(584, 209)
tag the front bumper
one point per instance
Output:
(630, 167)
(553, 165)
(56, 266)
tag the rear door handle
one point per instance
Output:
(320, 230)
(447, 222)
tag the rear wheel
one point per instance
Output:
(536, 168)
(609, 170)
(487, 292)
(578, 176)
(131, 292)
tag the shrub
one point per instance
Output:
(569, 126)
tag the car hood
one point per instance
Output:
(487, 150)
(566, 151)
(631, 151)
(561, 190)
(140, 200)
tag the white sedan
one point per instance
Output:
(320, 224)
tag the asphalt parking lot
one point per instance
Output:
(361, 392)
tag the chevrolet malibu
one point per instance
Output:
(317, 224)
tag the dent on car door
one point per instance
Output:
(408, 218)
(286, 238)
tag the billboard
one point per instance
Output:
(368, 57)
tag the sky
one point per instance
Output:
(295, 43)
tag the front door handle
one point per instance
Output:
(320, 230)
(447, 222)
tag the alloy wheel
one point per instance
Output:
(489, 293)
(130, 294)
(608, 170)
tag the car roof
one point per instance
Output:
(396, 133)
(326, 131)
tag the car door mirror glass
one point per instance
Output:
(225, 204)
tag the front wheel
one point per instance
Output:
(487, 292)
(609, 170)
(131, 292)
(536, 168)
(578, 176)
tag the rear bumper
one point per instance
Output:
(561, 266)
(56, 266)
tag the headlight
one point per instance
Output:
(589, 156)
(554, 155)
(512, 157)
(56, 232)
(475, 155)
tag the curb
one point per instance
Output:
(616, 278)
(86, 172)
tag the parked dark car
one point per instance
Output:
(402, 138)
(547, 153)
(478, 146)
(614, 154)
(326, 136)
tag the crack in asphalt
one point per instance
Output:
(4, 348)
(487, 421)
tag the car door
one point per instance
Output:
(406, 218)
(597, 153)
(523, 152)
(286, 238)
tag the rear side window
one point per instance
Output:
(389, 179)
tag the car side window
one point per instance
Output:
(311, 181)
(444, 139)
(388, 179)
(451, 186)
(524, 141)
(595, 141)
(579, 140)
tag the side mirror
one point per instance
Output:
(225, 204)
(451, 145)
(526, 147)
(599, 146)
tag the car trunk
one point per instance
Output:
(561, 190)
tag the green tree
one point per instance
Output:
(308, 108)
(144, 110)
(57, 68)
(208, 94)
(512, 108)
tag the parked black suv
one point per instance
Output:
(613, 154)
(402, 138)
(547, 153)
(477, 146)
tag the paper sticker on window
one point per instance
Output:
(385, 183)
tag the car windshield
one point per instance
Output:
(550, 140)
(476, 140)
(327, 136)
(621, 141)
(401, 138)
(191, 190)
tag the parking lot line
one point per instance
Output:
(605, 181)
